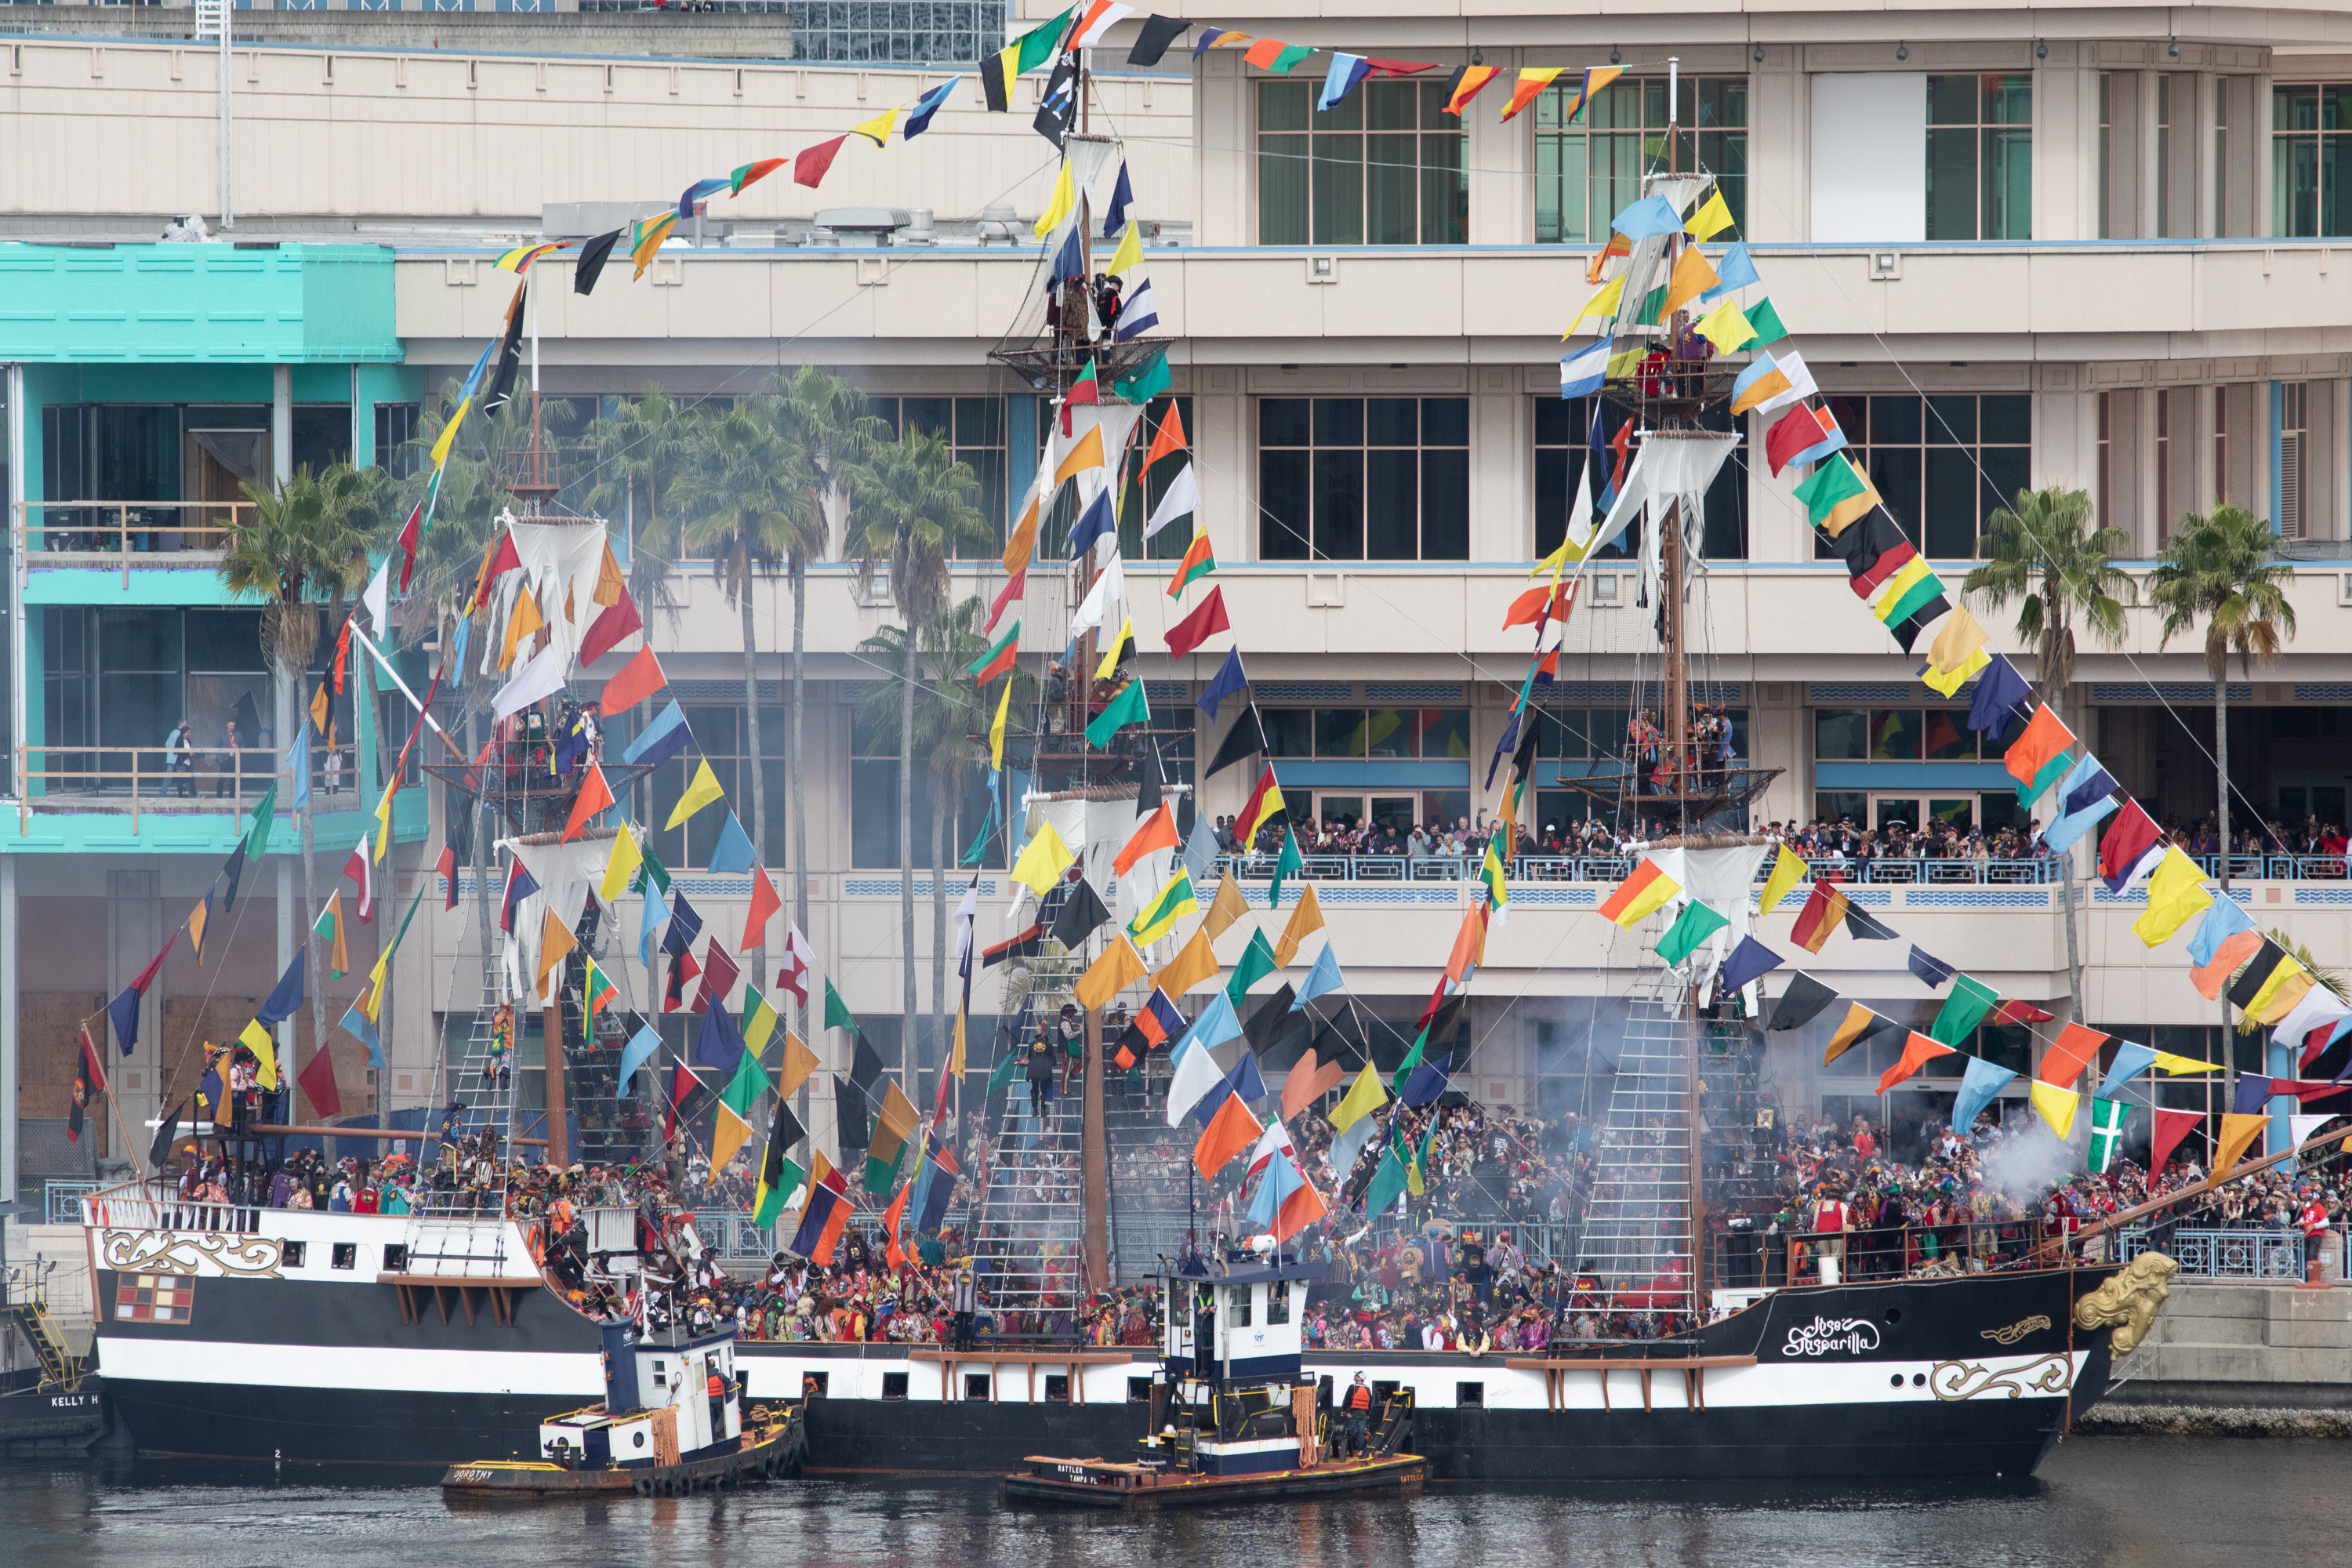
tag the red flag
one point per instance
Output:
(595, 795)
(638, 679)
(682, 1082)
(318, 1082)
(765, 905)
(1207, 619)
(448, 867)
(1168, 438)
(809, 166)
(1799, 429)
(2130, 838)
(343, 653)
(2171, 1126)
(408, 532)
(2013, 1012)
(1014, 588)
(496, 561)
(1823, 912)
(607, 629)
(719, 973)
(1263, 802)
(1539, 604)
(682, 968)
(360, 869)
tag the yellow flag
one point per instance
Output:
(2237, 1131)
(1109, 665)
(1949, 681)
(319, 708)
(1086, 453)
(1065, 202)
(1691, 276)
(1130, 253)
(370, 1002)
(2175, 891)
(877, 130)
(449, 433)
(1194, 964)
(256, 1039)
(1119, 967)
(699, 794)
(996, 730)
(383, 820)
(555, 939)
(1725, 326)
(728, 1134)
(1711, 219)
(1788, 873)
(1042, 861)
(799, 1062)
(2166, 1062)
(1225, 908)
(525, 621)
(2056, 1106)
(1367, 1095)
(622, 869)
(1603, 304)
(1958, 637)
(1305, 919)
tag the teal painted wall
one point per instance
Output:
(177, 304)
(198, 833)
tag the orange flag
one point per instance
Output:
(636, 681)
(1168, 438)
(595, 795)
(1158, 832)
(892, 1218)
(765, 905)
(1231, 1130)
(2077, 1049)
(1918, 1052)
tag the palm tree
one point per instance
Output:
(304, 543)
(2045, 552)
(2220, 568)
(829, 418)
(639, 450)
(917, 502)
(741, 489)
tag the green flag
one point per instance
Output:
(1692, 927)
(651, 870)
(1145, 382)
(742, 1092)
(1285, 864)
(1388, 1184)
(837, 1011)
(1963, 1010)
(1412, 1060)
(1767, 322)
(2107, 1119)
(257, 841)
(1006, 1066)
(1829, 484)
(779, 1177)
(1255, 964)
(1041, 42)
(1127, 708)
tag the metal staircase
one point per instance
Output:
(1637, 1223)
(460, 1231)
(61, 1370)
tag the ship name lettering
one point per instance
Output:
(1823, 1336)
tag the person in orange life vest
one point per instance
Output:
(1356, 1437)
(716, 1388)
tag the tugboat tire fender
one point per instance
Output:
(645, 1485)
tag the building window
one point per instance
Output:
(1383, 167)
(1981, 157)
(2309, 126)
(1564, 443)
(721, 735)
(1356, 734)
(2287, 506)
(1363, 478)
(874, 794)
(2220, 396)
(1899, 735)
(2106, 132)
(1942, 463)
(1590, 171)
(2163, 229)
(973, 428)
(396, 428)
(2163, 464)
(2221, 156)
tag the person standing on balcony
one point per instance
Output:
(228, 782)
(180, 758)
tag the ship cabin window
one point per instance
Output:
(894, 1386)
(661, 1373)
(395, 1258)
(1138, 1391)
(1383, 1393)
(1237, 1307)
(346, 1255)
(1470, 1395)
(816, 1384)
(1058, 1388)
(975, 1386)
(1277, 1302)
(290, 1254)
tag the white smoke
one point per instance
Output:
(2024, 1163)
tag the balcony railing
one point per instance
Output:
(148, 778)
(2277, 1255)
(124, 528)
(1616, 869)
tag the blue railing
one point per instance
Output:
(2224, 1253)
(1612, 870)
(62, 1202)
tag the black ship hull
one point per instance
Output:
(1954, 1378)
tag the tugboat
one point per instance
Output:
(672, 1421)
(1232, 1419)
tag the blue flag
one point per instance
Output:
(1091, 525)
(733, 853)
(284, 1000)
(635, 1054)
(1649, 216)
(298, 762)
(663, 739)
(1243, 1081)
(656, 909)
(1932, 970)
(361, 1028)
(1428, 1082)
(685, 925)
(720, 1043)
(1983, 1081)
(919, 119)
(2086, 795)
(2226, 919)
(1324, 977)
(2131, 1060)
(1215, 1026)
(1230, 678)
(1736, 270)
(1748, 961)
(1347, 73)
(1123, 196)
(1999, 692)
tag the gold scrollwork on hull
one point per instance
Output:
(2016, 1330)
(174, 1252)
(1957, 1380)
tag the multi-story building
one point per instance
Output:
(2103, 258)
